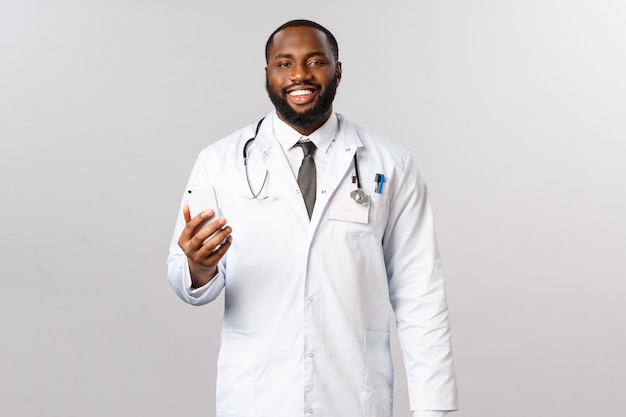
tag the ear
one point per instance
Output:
(266, 71)
(338, 71)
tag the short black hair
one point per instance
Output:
(332, 42)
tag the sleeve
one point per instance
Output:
(429, 414)
(417, 294)
(177, 268)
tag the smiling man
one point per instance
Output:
(319, 253)
(302, 81)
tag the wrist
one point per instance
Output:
(200, 275)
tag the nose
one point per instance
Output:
(300, 73)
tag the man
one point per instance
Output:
(315, 263)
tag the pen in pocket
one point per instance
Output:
(379, 179)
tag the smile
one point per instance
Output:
(300, 92)
(302, 95)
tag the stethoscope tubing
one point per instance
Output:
(357, 195)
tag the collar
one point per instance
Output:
(322, 137)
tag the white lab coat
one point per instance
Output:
(307, 317)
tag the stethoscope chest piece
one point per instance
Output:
(359, 196)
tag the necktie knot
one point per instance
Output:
(308, 147)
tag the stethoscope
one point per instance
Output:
(357, 195)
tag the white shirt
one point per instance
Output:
(306, 320)
(323, 138)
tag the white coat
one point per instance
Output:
(307, 317)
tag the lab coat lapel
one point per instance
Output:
(339, 163)
(281, 180)
(284, 183)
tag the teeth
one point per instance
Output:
(300, 92)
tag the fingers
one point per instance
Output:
(207, 249)
(207, 230)
(204, 271)
(186, 213)
(213, 256)
(204, 244)
(191, 224)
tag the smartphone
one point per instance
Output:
(201, 198)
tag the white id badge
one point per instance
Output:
(343, 207)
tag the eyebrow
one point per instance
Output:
(309, 55)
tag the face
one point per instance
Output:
(302, 77)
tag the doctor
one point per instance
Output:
(309, 268)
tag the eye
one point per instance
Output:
(283, 64)
(316, 62)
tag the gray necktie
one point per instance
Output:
(307, 175)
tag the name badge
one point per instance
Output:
(343, 207)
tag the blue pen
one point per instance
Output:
(380, 184)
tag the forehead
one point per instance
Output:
(299, 40)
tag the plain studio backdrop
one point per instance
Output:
(514, 110)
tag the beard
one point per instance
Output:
(309, 117)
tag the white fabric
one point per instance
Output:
(429, 414)
(323, 138)
(307, 317)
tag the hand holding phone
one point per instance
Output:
(199, 199)
(203, 259)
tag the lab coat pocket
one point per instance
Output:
(379, 375)
(235, 374)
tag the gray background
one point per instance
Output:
(513, 109)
